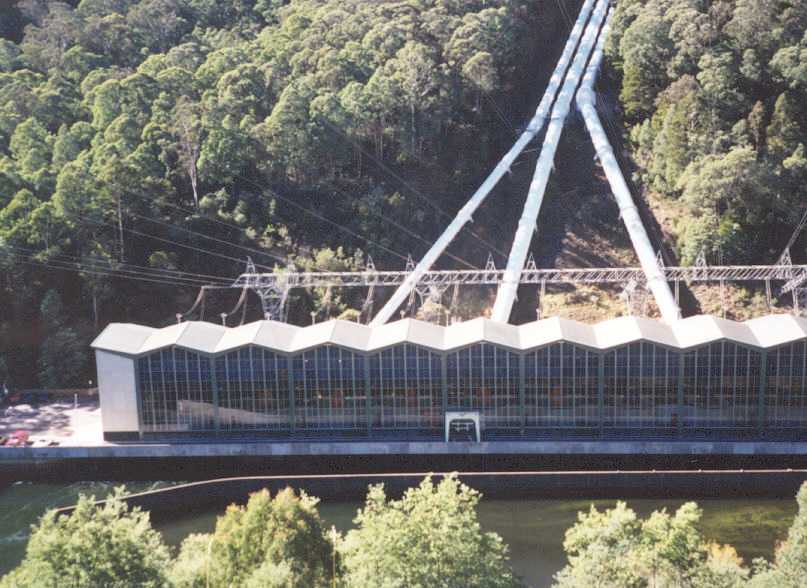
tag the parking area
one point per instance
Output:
(63, 423)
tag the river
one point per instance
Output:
(532, 528)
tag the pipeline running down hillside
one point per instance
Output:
(506, 295)
(586, 102)
(465, 214)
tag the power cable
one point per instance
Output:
(164, 240)
(407, 185)
(510, 126)
(33, 261)
(563, 12)
(226, 224)
(320, 217)
(218, 221)
(216, 239)
(409, 232)
(797, 232)
(113, 272)
(104, 263)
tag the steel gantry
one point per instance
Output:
(273, 288)
(611, 275)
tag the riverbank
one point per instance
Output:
(533, 528)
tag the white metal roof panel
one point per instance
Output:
(462, 334)
(201, 336)
(540, 333)
(407, 331)
(335, 332)
(478, 330)
(628, 329)
(238, 337)
(126, 338)
(778, 329)
(500, 333)
(763, 332)
(164, 337)
(275, 335)
(618, 331)
(351, 335)
(703, 329)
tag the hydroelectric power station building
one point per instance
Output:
(627, 378)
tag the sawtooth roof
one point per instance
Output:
(765, 332)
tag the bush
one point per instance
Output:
(270, 542)
(429, 538)
(108, 546)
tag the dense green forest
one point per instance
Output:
(150, 146)
(154, 144)
(715, 97)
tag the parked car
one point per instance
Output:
(18, 439)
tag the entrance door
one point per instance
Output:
(463, 427)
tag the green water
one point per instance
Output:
(532, 528)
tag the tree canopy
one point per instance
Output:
(142, 138)
(430, 537)
(715, 97)
(93, 546)
(276, 541)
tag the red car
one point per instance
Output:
(17, 439)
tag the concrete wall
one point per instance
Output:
(405, 448)
(117, 390)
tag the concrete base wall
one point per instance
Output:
(408, 448)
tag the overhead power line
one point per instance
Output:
(321, 217)
(105, 264)
(407, 185)
(409, 232)
(33, 261)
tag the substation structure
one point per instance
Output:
(630, 378)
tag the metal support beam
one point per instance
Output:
(214, 385)
(522, 391)
(506, 296)
(586, 101)
(601, 392)
(611, 275)
(292, 411)
(465, 214)
(438, 281)
(763, 385)
(679, 430)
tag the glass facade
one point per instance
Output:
(485, 377)
(176, 392)
(253, 386)
(407, 388)
(640, 388)
(329, 389)
(786, 390)
(561, 387)
(721, 386)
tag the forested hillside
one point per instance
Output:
(715, 95)
(144, 138)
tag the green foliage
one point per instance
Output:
(789, 567)
(279, 540)
(118, 115)
(734, 192)
(3, 373)
(429, 538)
(616, 548)
(715, 92)
(63, 353)
(107, 546)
